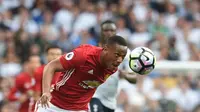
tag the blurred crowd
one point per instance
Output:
(171, 28)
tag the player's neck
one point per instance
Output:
(30, 72)
(101, 60)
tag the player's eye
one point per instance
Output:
(116, 55)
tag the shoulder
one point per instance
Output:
(21, 77)
(40, 69)
(85, 50)
(88, 47)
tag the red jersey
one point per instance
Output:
(38, 78)
(23, 83)
(83, 75)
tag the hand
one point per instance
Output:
(44, 100)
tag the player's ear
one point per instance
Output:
(105, 47)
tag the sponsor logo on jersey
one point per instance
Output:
(89, 84)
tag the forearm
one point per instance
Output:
(131, 77)
(47, 78)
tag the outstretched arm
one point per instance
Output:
(129, 76)
(48, 73)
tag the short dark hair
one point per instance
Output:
(51, 46)
(30, 56)
(116, 39)
(107, 22)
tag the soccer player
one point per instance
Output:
(22, 91)
(104, 99)
(52, 52)
(84, 69)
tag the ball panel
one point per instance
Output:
(147, 58)
(135, 55)
(135, 65)
(147, 70)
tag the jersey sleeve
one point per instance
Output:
(73, 59)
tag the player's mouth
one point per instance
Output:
(115, 65)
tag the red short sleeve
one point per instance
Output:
(73, 59)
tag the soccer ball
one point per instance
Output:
(142, 60)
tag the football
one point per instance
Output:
(142, 60)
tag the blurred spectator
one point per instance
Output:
(23, 43)
(173, 53)
(22, 91)
(184, 94)
(11, 66)
(48, 30)
(37, 12)
(64, 41)
(86, 19)
(140, 37)
(140, 10)
(6, 107)
(121, 28)
(159, 27)
(83, 38)
(3, 29)
(171, 16)
(25, 22)
(64, 17)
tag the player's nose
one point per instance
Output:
(109, 33)
(119, 60)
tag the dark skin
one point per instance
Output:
(108, 30)
(110, 58)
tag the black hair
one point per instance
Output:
(51, 46)
(116, 39)
(31, 55)
(108, 22)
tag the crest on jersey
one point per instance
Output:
(69, 56)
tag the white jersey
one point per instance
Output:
(107, 92)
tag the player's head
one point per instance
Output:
(108, 29)
(114, 51)
(52, 52)
(33, 62)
